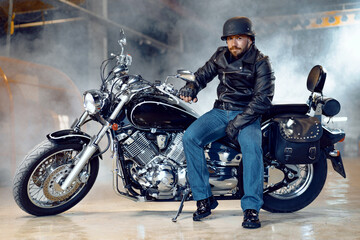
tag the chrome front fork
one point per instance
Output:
(79, 122)
(83, 157)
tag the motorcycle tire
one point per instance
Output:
(36, 186)
(309, 188)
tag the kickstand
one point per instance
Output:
(186, 194)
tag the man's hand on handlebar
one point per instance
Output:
(188, 92)
(188, 99)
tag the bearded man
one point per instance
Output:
(244, 93)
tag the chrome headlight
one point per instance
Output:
(94, 101)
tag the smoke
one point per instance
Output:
(292, 53)
(193, 30)
(44, 99)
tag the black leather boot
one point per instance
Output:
(251, 219)
(203, 209)
(213, 202)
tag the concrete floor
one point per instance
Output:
(335, 214)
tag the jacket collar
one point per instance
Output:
(250, 55)
(249, 58)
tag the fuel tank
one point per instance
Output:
(153, 109)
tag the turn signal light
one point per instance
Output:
(115, 127)
(343, 139)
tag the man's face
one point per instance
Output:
(238, 44)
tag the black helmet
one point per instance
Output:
(238, 25)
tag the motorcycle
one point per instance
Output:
(144, 123)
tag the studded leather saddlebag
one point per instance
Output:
(297, 139)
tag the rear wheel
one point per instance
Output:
(38, 179)
(299, 193)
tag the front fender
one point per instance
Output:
(70, 136)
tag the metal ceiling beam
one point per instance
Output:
(314, 20)
(42, 23)
(332, 19)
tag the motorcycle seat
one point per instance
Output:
(276, 109)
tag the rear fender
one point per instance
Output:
(336, 161)
(327, 142)
(338, 165)
(331, 136)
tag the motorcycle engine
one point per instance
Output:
(156, 162)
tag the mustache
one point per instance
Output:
(235, 48)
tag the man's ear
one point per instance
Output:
(249, 42)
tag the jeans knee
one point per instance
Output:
(187, 138)
(190, 139)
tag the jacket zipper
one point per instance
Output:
(224, 74)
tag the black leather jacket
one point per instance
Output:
(246, 84)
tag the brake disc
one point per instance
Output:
(52, 188)
(40, 172)
(43, 169)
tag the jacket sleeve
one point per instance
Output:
(263, 95)
(206, 73)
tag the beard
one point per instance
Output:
(237, 52)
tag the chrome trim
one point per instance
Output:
(117, 173)
(167, 93)
(265, 125)
(81, 120)
(334, 153)
(98, 98)
(67, 136)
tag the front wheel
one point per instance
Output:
(37, 180)
(301, 192)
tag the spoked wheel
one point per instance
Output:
(299, 193)
(37, 183)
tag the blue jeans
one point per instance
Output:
(210, 127)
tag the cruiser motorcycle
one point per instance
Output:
(144, 123)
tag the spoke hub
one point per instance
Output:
(52, 185)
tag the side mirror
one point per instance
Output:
(316, 79)
(186, 75)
